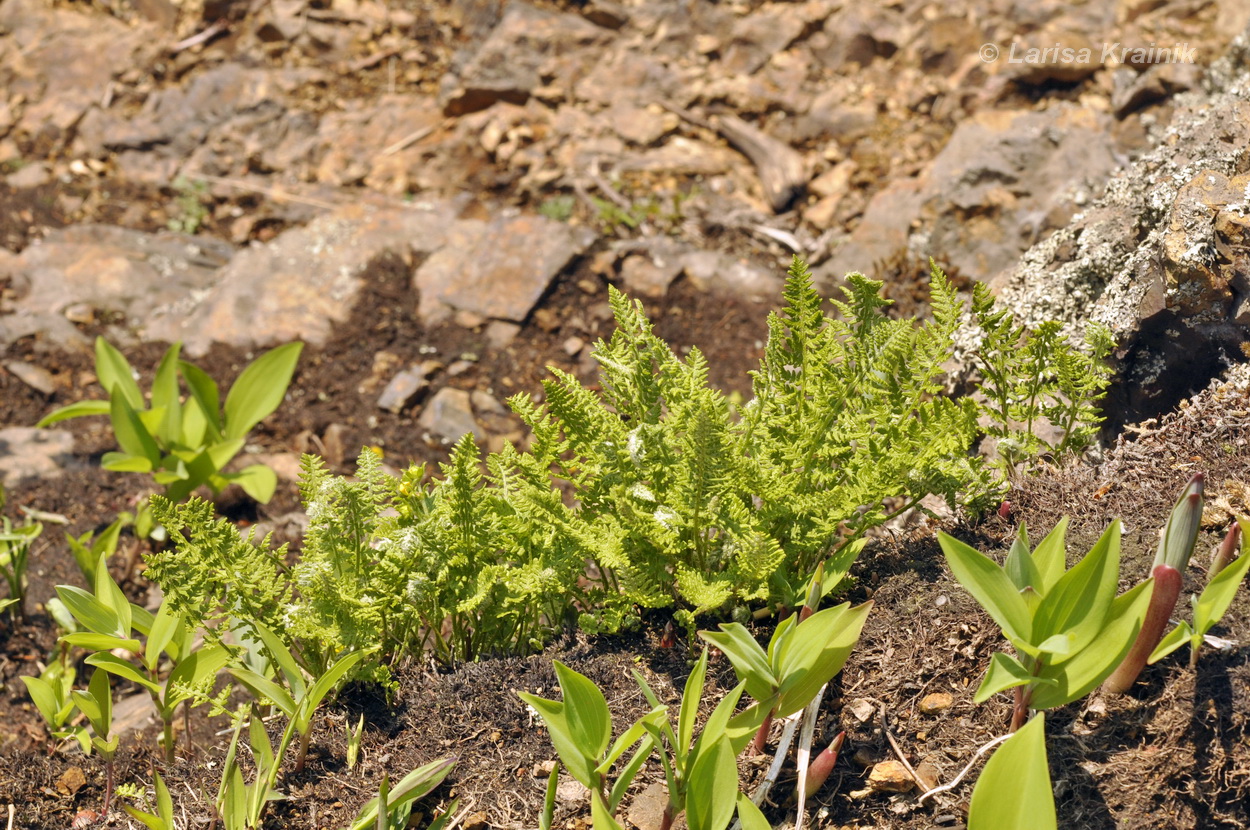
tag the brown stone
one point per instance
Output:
(890, 777)
(499, 268)
(935, 702)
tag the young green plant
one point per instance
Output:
(163, 818)
(302, 695)
(15, 544)
(580, 726)
(391, 807)
(186, 444)
(1014, 790)
(1210, 607)
(1176, 546)
(1069, 629)
(97, 704)
(702, 777)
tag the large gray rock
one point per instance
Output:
(498, 269)
(106, 269)
(1163, 258)
(509, 65)
(302, 283)
(26, 452)
(1004, 177)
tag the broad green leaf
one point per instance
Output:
(989, 586)
(1050, 557)
(92, 614)
(630, 771)
(204, 391)
(325, 684)
(839, 565)
(102, 692)
(120, 462)
(1014, 791)
(717, 725)
(750, 815)
(266, 689)
(713, 787)
(626, 739)
(1019, 566)
(588, 716)
(221, 452)
(1080, 674)
(101, 642)
(257, 480)
(690, 698)
(574, 755)
(194, 425)
(115, 375)
(743, 726)
(165, 396)
(260, 389)
(1220, 591)
(283, 659)
(412, 787)
(132, 436)
(45, 698)
(74, 410)
(1078, 604)
(110, 594)
(115, 665)
(153, 419)
(1005, 672)
(262, 749)
(816, 652)
(748, 659)
(1177, 637)
(600, 816)
(162, 631)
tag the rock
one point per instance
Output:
(128, 272)
(311, 279)
(572, 791)
(71, 781)
(509, 64)
(646, 811)
(929, 773)
(373, 143)
(759, 36)
(26, 452)
(29, 176)
(986, 196)
(36, 377)
(935, 702)
(862, 709)
(62, 61)
(485, 403)
(890, 777)
(499, 268)
(403, 390)
(720, 273)
(605, 13)
(449, 415)
(1161, 258)
(650, 273)
(573, 346)
(858, 34)
(499, 333)
(1135, 90)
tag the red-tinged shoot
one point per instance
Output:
(1175, 549)
(822, 765)
(1226, 552)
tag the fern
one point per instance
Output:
(654, 491)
